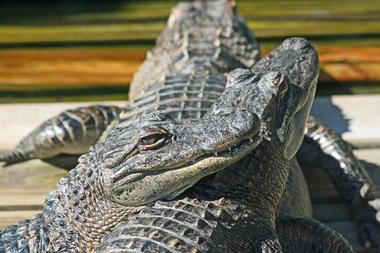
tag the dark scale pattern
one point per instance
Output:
(207, 222)
(253, 187)
(71, 132)
(184, 76)
(75, 217)
(23, 237)
(319, 237)
(326, 149)
(187, 225)
(184, 97)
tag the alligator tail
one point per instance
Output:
(299, 234)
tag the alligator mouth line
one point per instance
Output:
(233, 153)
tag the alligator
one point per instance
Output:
(220, 148)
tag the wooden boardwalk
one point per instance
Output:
(23, 187)
(70, 51)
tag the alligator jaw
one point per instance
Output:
(219, 161)
(176, 179)
(126, 176)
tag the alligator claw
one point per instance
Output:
(368, 224)
(269, 246)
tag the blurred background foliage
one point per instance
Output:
(88, 50)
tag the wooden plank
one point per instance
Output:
(348, 64)
(150, 30)
(19, 119)
(356, 117)
(75, 67)
(351, 54)
(78, 67)
(103, 58)
(371, 156)
(26, 184)
(23, 189)
(13, 217)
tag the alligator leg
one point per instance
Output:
(71, 132)
(324, 148)
(308, 235)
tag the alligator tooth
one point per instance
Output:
(216, 153)
(193, 161)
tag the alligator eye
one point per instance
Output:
(152, 140)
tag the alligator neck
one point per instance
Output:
(78, 214)
(256, 182)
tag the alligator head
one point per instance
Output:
(297, 62)
(157, 157)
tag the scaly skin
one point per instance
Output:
(70, 132)
(95, 197)
(185, 73)
(182, 79)
(210, 226)
(224, 215)
(216, 215)
(75, 216)
(324, 148)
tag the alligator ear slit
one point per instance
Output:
(128, 155)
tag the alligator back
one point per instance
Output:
(186, 225)
(185, 72)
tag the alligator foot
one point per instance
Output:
(268, 246)
(368, 223)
